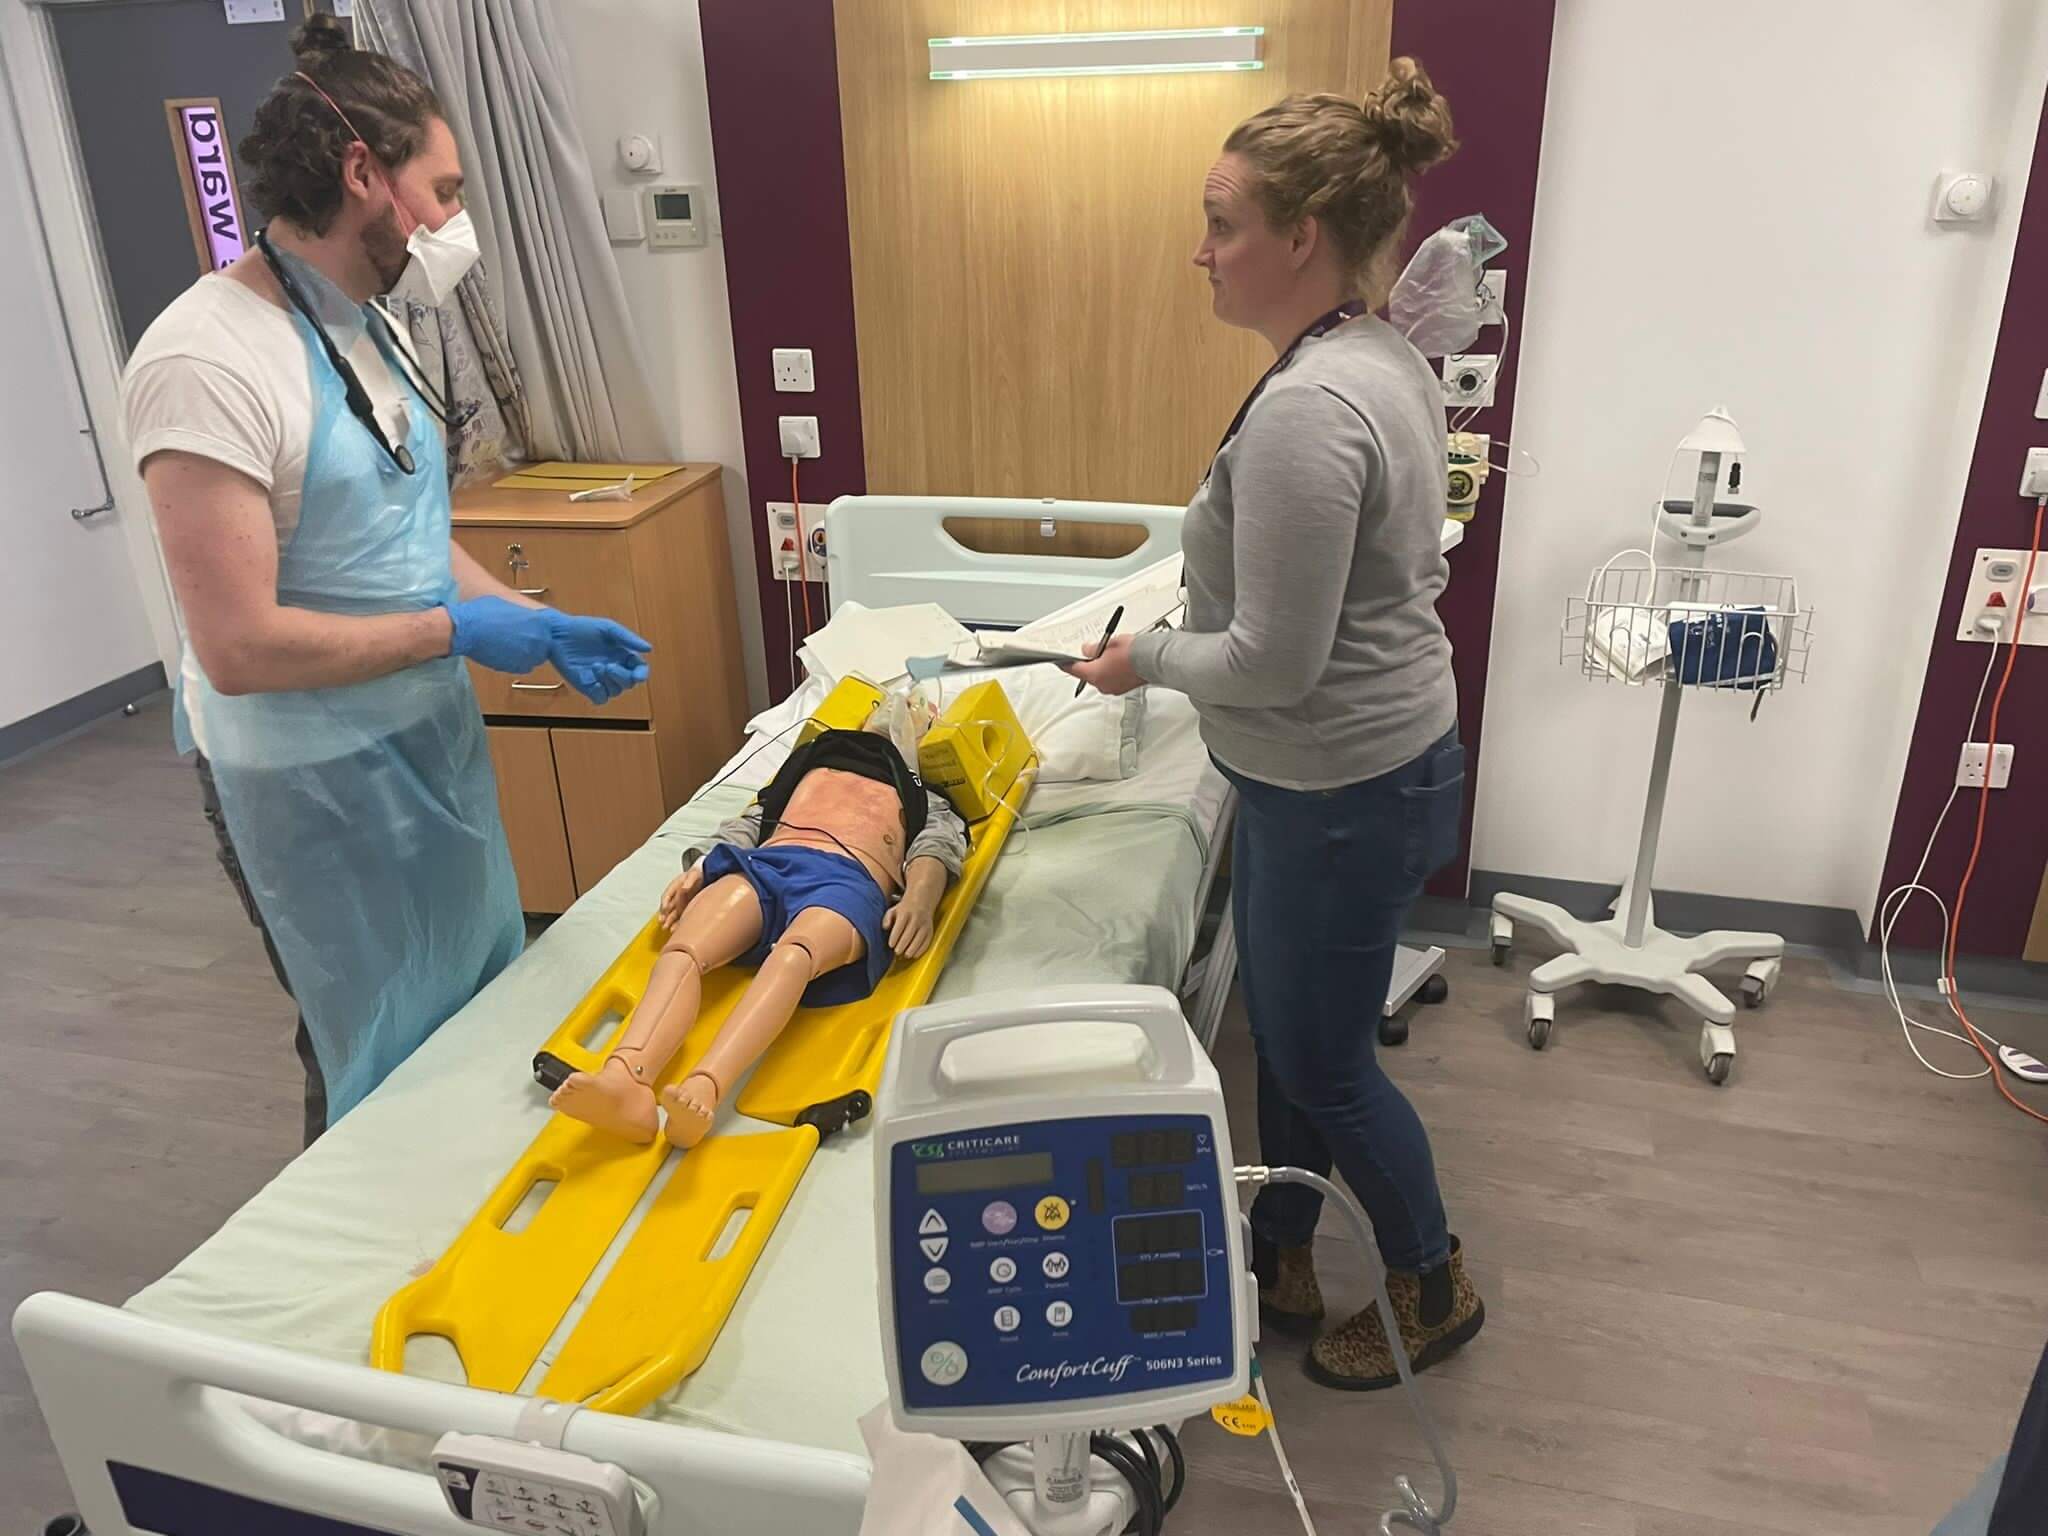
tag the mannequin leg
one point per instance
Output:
(721, 924)
(817, 940)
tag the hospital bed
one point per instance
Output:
(231, 1393)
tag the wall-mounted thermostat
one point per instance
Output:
(675, 217)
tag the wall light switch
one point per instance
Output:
(622, 217)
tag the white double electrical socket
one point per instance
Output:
(1469, 378)
(1998, 594)
(793, 373)
(1970, 768)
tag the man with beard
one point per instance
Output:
(294, 462)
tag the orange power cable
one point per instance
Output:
(1955, 926)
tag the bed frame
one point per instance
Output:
(144, 1414)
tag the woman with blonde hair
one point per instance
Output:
(1313, 653)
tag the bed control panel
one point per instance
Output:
(1084, 1257)
(530, 1490)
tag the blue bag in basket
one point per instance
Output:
(1730, 649)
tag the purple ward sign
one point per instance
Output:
(209, 180)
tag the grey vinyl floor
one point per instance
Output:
(1808, 1302)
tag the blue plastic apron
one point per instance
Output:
(366, 816)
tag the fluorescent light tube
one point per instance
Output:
(1189, 51)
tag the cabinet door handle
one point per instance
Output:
(531, 591)
(538, 687)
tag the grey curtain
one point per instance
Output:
(501, 70)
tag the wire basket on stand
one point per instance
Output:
(1737, 630)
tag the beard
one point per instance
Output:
(384, 247)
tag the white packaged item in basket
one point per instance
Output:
(1626, 640)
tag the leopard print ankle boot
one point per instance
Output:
(1290, 1300)
(1355, 1356)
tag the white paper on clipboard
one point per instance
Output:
(1149, 598)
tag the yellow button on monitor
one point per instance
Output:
(1052, 1213)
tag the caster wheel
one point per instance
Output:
(1718, 1068)
(1433, 991)
(1393, 1030)
(1501, 948)
(1752, 992)
(1539, 1034)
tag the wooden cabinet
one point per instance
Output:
(581, 785)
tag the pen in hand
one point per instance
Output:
(1102, 645)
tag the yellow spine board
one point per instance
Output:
(658, 1312)
(498, 1297)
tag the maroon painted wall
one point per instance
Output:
(772, 75)
(2008, 878)
(1492, 62)
(774, 94)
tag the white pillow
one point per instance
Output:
(1092, 737)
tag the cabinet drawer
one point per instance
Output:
(577, 572)
(611, 796)
(530, 805)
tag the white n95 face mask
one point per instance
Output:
(439, 259)
(1438, 302)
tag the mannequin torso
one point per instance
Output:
(840, 812)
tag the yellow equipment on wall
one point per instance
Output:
(499, 1296)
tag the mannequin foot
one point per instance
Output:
(690, 1105)
(610, 1099)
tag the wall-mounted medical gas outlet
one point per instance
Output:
(793, 374)
(1970, 769)
(1995, 596)
(2034, 475)
(799, 436)
(1494, 310)
(786, 539)
(1469, 378)
(676, 217)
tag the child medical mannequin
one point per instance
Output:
(855, 857)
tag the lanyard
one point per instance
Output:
(1351, 309)
(357, 397)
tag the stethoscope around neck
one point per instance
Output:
(352, 387)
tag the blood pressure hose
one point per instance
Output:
(1415, 1513)
(1134, 1458)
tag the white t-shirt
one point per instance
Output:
(225, 374)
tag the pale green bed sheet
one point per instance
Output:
(308, 1261)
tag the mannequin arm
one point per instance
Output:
(909, 922)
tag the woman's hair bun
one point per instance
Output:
(1411, 121)
(320, 36)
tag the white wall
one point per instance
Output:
(1733, 209)
(71, 611)
(639, 68)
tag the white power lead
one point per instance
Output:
(1894, 904)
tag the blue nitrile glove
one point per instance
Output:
(502, 635)
(599, 659)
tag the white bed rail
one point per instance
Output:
(152, 1441)
(884, 550)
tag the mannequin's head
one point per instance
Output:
(904, 715)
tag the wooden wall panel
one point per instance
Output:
(1030, 322)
